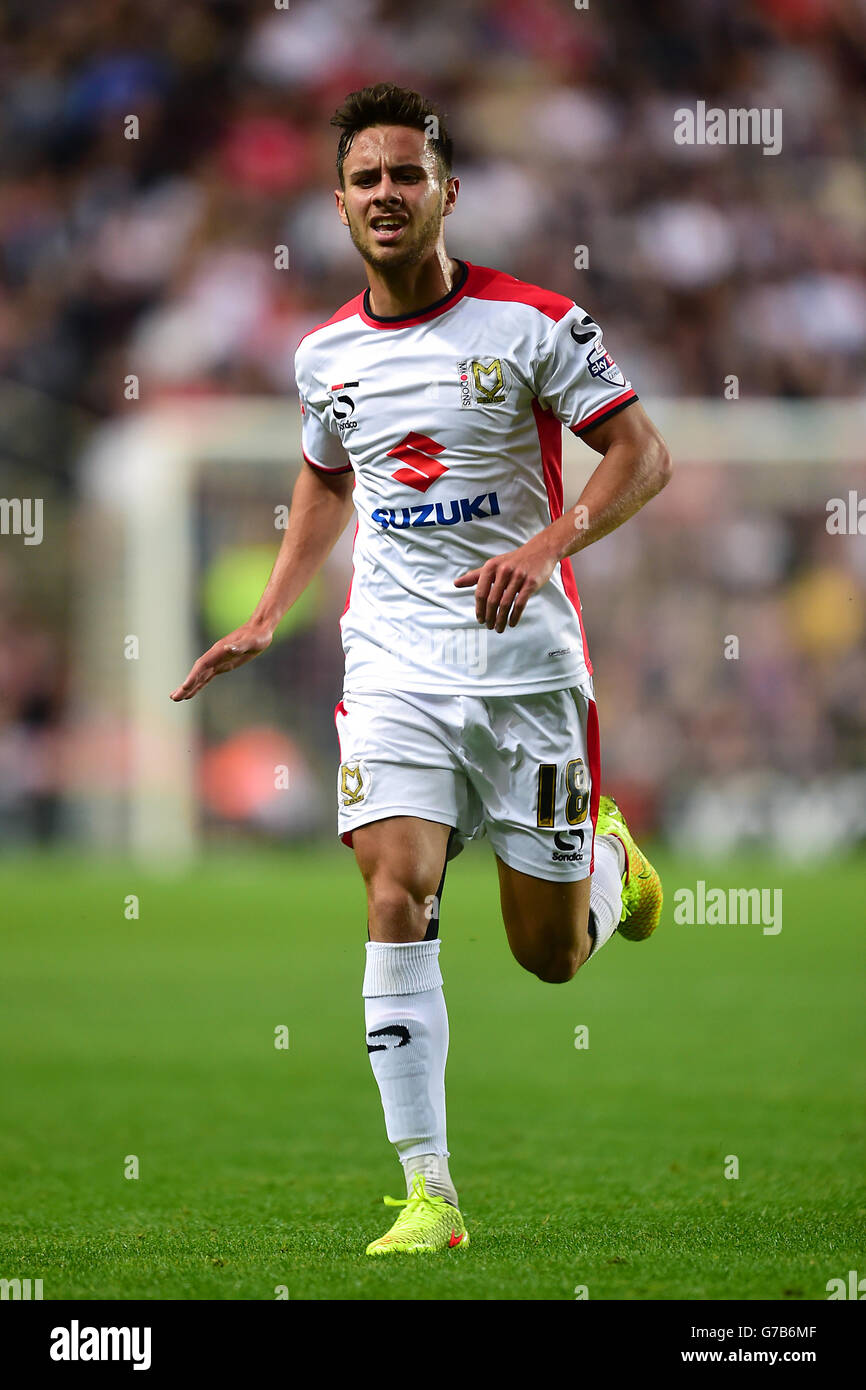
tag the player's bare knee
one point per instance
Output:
(553, 965)
(396, 909)
(559, 967)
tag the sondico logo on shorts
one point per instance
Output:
(481, 383)
(566, 848)
(354, 782)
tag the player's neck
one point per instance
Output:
(409, 289)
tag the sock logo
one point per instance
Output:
(397, 1030)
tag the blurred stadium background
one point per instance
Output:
(155, 257)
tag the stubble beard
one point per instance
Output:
(422, 243)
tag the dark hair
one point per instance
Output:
(388, 104)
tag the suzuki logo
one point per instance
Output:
(419, 452)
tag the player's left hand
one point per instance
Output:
(507, 582)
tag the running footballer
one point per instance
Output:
(432, 406)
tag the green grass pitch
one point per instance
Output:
(262, 1167)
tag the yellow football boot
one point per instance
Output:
(425, 1223)
(641, 886)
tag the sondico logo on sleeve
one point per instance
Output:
(77, 1343)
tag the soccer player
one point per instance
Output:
(433, 405)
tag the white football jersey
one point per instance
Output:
(452, 422)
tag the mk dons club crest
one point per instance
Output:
(482, 382)
(354, 782)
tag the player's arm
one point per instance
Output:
(635, 466)
(576, 379)
(321, 507)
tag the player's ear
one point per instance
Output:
(341, 206)
(452, 188)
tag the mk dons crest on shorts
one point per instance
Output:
(354, 782)
(482, 382)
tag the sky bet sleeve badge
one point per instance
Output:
(601, 364)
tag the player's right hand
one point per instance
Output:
(229, 652)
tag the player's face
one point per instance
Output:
(394, 198)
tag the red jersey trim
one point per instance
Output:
(483, 283)
(604, 411)
(593, 754)
(344, 312)
(549, 429)
(340, 708)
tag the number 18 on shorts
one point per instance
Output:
(523, 770)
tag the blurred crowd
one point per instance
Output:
(155, 255)
(727, 628)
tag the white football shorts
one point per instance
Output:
(523, 770)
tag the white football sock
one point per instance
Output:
(437, 1179)
(407, 1039)
(605, 889)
